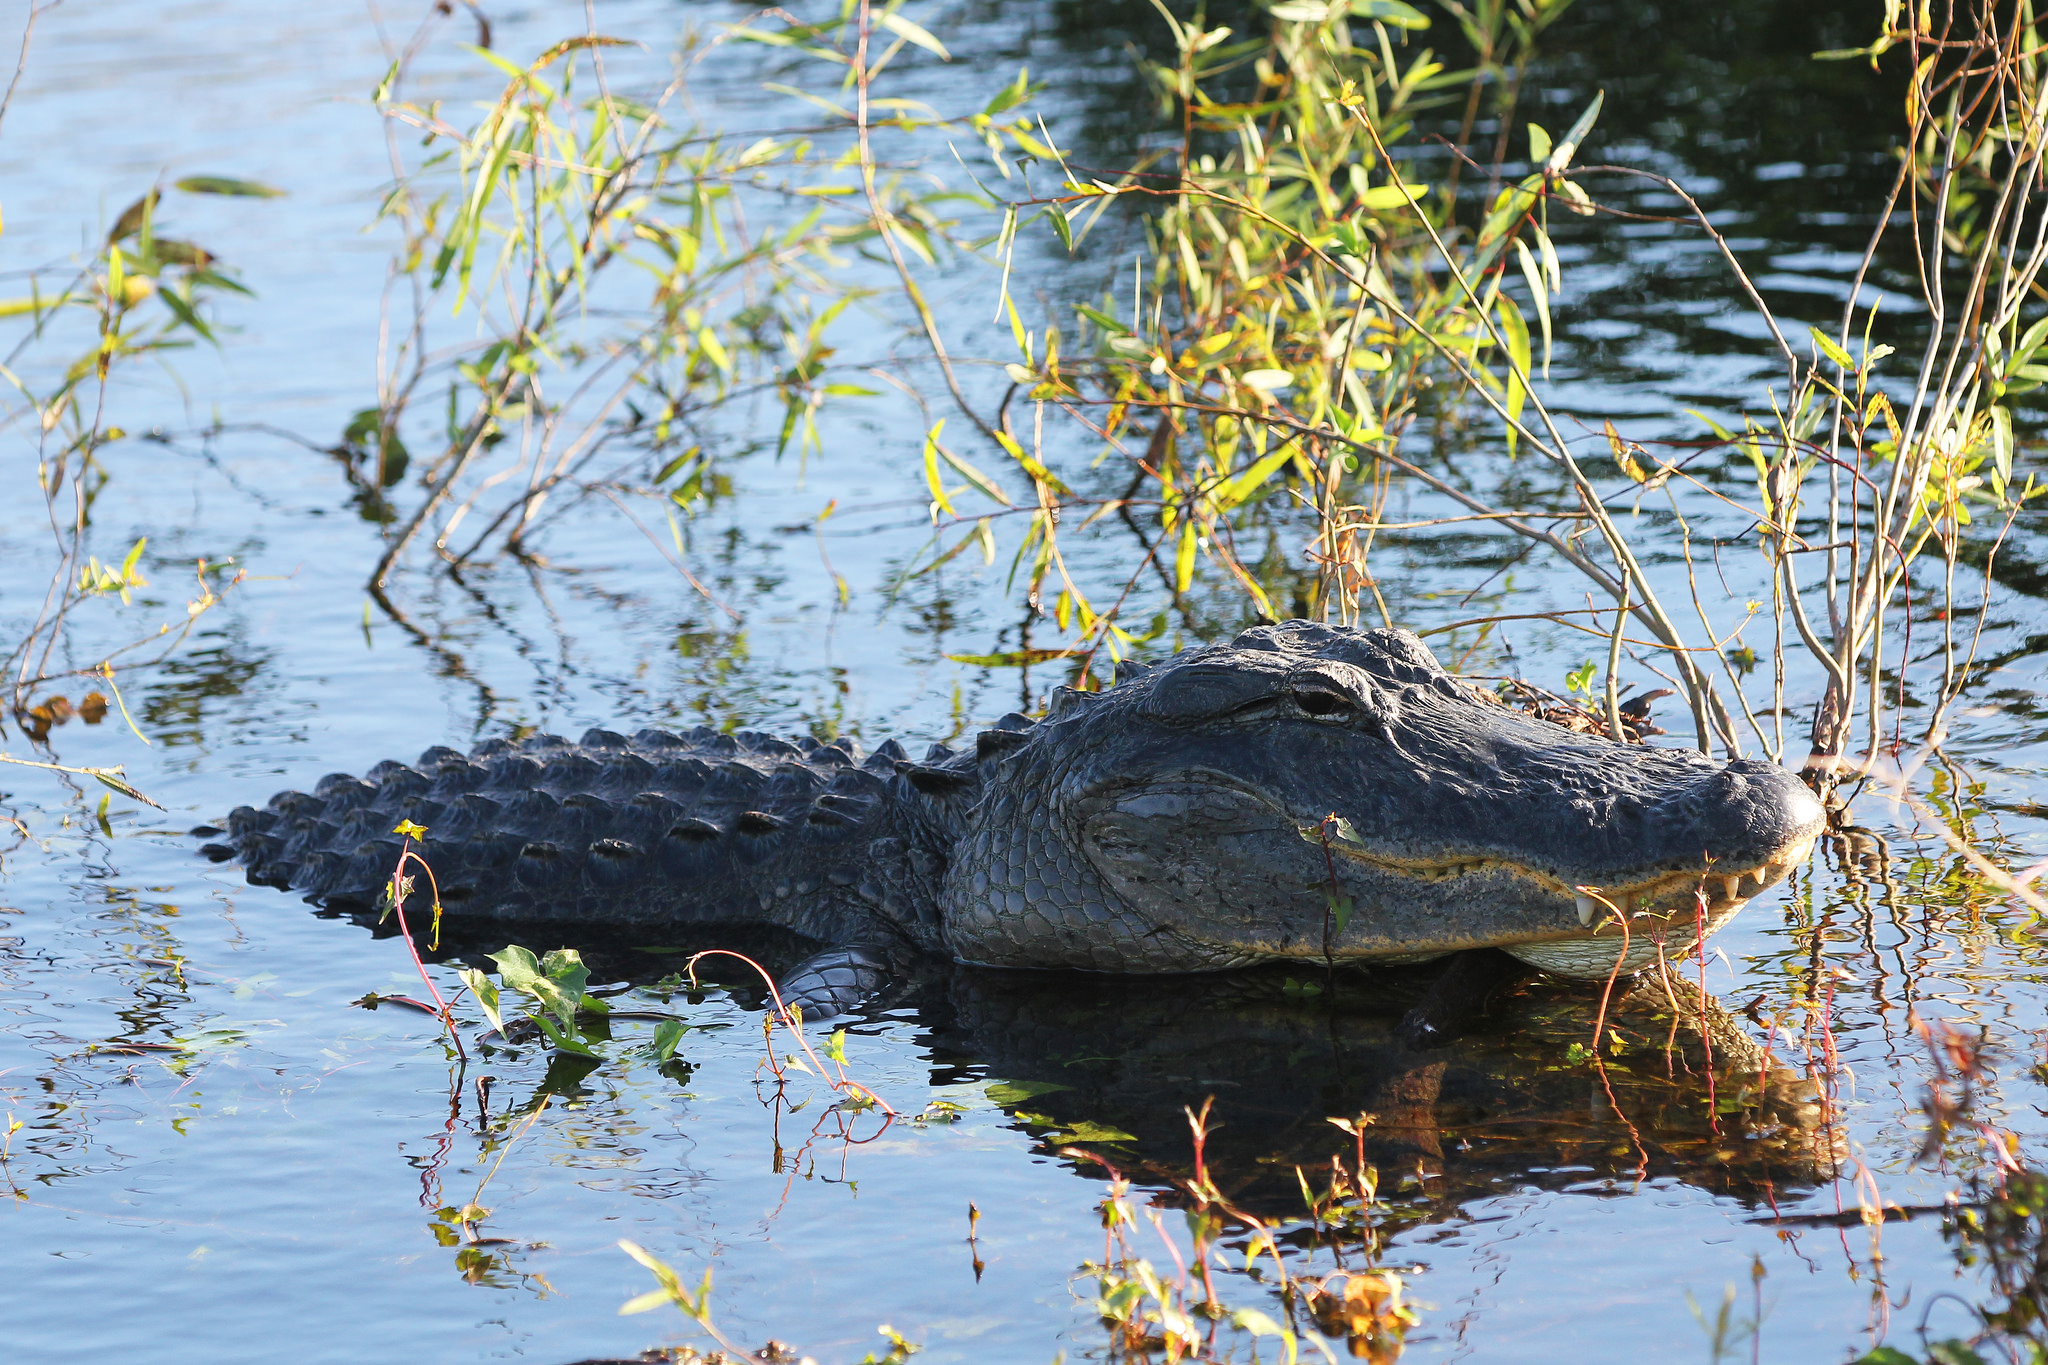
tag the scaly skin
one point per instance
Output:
(1178, 822)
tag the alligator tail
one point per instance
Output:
(609, 829)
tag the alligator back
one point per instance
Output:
(613, 830)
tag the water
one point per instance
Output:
(271, 1187)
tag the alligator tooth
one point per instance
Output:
(1587, 907)
(1624, 903)
(1731, 887)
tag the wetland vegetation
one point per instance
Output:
(378, 380)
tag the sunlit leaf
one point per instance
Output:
(1392, 12)
(915, 33)
(1832, 351)
(1561, 155)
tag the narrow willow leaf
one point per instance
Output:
(1539, 294)
(1385, 197)
(1561, 155)
(1392, 12)
(112, 777)
(1184, 557)
(917, 34)
(1829, 349)
(1249, 480)
(1013, 659)
(1515, 329)
(1552, 271)
(2030, 341)
(970, 473)
(1063, 224)
(221, 184)
(931, 469)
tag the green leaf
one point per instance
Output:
(556, 981)
(1712, 425)
(486, 992)
(1952, 1353)
(221, 184)
(931, 469)
(562, 1040)
(1561, 155)
(183, 312)
(1015, 658)
(1390, 12)
(666, 1037)
(1340, 908)
(1539, 144)
(1258, 1324)
(1089, 1131)
(2030, 341)
(1061, 226)
(643, 1303)
(1382, 198)
(1184, 557)
(1017, 1092)
(913, 33)
(1539, 294)
(1829, 349)
(112, 778)
(1248, 481)
(1515, 329)
(1011, 95)
(668, 470)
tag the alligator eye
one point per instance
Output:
(1323, 704)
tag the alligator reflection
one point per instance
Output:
(1518, 1102)
(1682, 1090)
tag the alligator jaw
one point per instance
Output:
(1631, 923)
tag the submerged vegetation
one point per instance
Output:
(1306, 324)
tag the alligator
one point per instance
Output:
(1305, 793)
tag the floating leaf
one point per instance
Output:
(1089, 1131)
(1018, 1092)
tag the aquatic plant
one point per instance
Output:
(141, 297)
(630, 273)
(1307, 294)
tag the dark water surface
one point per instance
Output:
(269, 1190)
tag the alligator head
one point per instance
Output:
(1312, 792)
